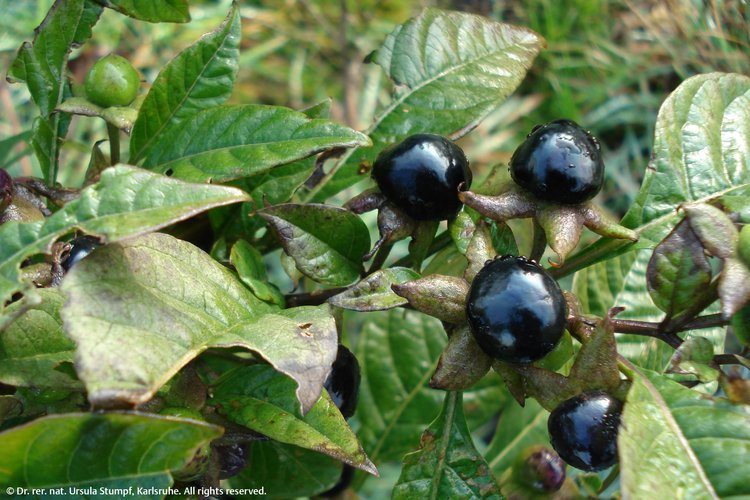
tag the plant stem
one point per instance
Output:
(539, 243)
(114, 144)
(312, 298)
(380, 257)
(651, 329)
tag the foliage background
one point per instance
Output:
(609, 65)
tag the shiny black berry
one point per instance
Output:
(583, 430)
(232, 459)
(343, 382)
(540, 469)
(79, 249)
(559, 162)
(421, 176)
(516, 311)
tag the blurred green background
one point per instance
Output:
(608, 65)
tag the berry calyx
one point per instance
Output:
(421, 176)
(80, 248)
(342, 383)
(112, 81)
(583, 430)
(515, 309)
(559, 162)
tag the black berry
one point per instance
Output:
(540, 468)
(516, 311)
(79, 249)
(559, 162)
(421, 176)
(583, 430)
(232, 459)
(343, 382)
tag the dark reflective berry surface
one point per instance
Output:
(546, 470)
(232, 459)
(559, 162)
(80, 248)
(421, 176)
(583, 430)
(343, 382)
(516, 311)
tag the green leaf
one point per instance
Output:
(518, 428)
(715, 229)
(242, 141)
(374, 293)
(42, 65)
(34, 345)
(503, 240)
(154, 11)
(678, 267)
(286, 471)
(398, 352)
(142, 309)
(447, 464)
(700, 139)
(8, 146)
(675, 439)
(100, 450)
(278, 184)
(199, 78)
(461, 228)
(251, 269)
(127, 201)
(263, 400)
(475, 61)
(694, 357)
(327, 243)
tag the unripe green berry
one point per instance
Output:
(112, 81)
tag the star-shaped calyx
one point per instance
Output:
(393, 224)
(562, 224)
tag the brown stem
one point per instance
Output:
(312, 298)
(651, 329)
(380, 257)
(727, 359)
(705, 298)
(114, 144)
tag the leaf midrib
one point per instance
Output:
(172, 114)
(445, 439)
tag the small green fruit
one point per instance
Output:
(112, 81)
